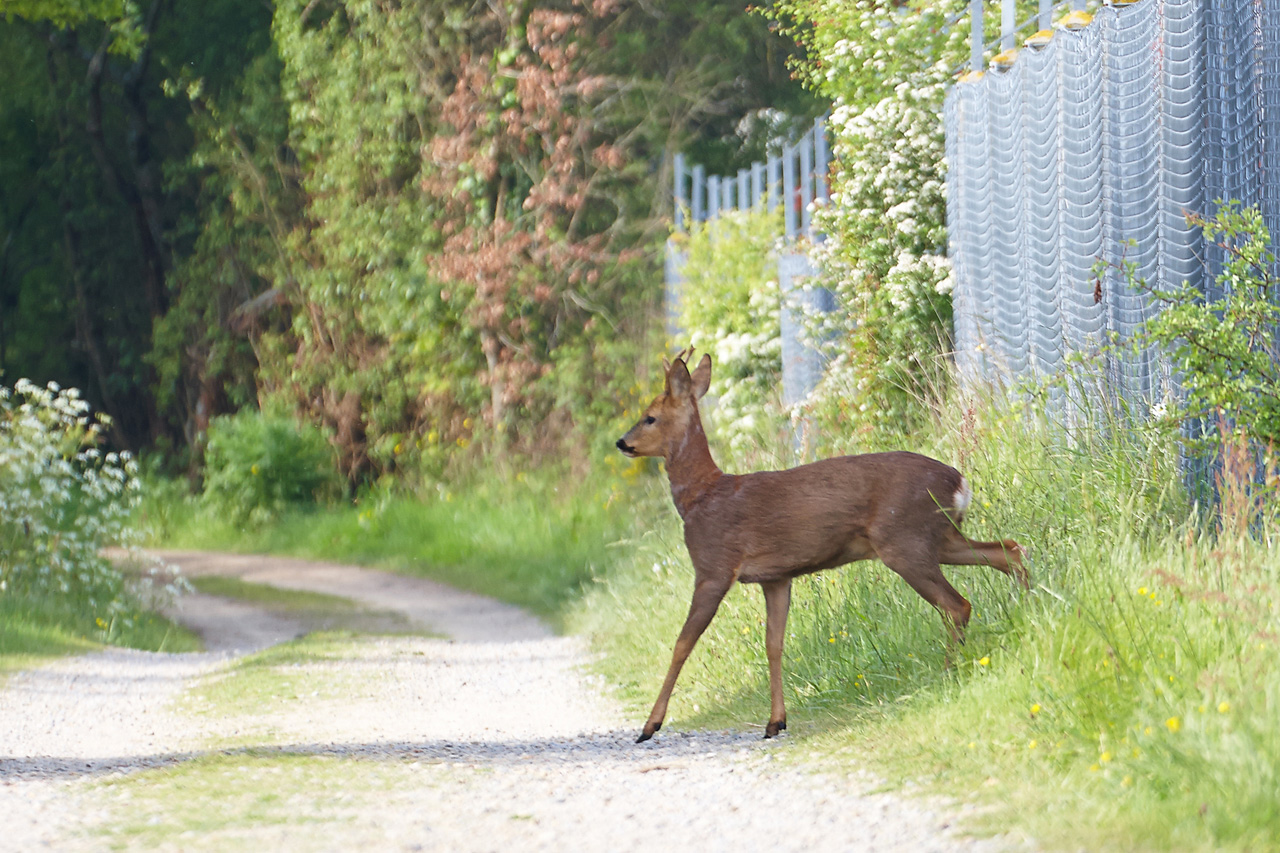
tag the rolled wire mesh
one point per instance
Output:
(1234, 163)
(1269, 36)
(1130, 187)
(1042, 141)
(1081, 227)
(1182, 146)
(969, 204)
(1008, 335)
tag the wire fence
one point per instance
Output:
(795, 178)
(1090, 149)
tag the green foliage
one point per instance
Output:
(258, 464)
(1225, 349)
(730, 306)
(276, 230)
(120, 15)
(91, 156)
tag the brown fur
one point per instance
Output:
(771, 526)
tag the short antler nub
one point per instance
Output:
(684, 355)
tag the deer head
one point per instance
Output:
(673, 412)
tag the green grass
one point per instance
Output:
(265, 681)
(26, 639)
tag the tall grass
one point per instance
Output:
(1129, 700)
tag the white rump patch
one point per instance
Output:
(964, 495)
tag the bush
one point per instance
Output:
(61, 499)
(258, 464)
(1225, 349)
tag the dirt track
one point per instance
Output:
(495, 739)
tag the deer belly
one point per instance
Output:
(762, 568)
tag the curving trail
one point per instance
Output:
(495, 739)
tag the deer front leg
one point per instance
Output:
(707, 596)
(777, 603)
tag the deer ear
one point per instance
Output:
(702, 377)
(679, 384)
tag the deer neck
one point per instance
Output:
(690, 467)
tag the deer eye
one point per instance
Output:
(651, 420)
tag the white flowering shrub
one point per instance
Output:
(885, 66)
(730, 307)
(61, 499)
(885, 257)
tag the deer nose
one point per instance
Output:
(624, 447)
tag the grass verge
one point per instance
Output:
(306, 802)
(286, 675)
(535, 540)
(35, 628)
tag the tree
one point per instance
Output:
(93, 132)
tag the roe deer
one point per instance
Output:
(771, 526)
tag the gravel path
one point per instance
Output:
(496, 739)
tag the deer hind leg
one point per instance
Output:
(707, 596)
(777, 603)
(921, 571)
(1006, 555)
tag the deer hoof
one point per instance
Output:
(649, 730)
(774, 729)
